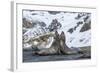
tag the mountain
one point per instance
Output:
(76, 25)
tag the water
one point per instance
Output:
(28, 57)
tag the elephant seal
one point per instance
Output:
(58, 46)
(64, 48)
(54, 48)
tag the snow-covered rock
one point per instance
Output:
(71, 24)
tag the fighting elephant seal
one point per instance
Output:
(64, 49)
(58, 46)
(54, 48)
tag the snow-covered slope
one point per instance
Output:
(69, 22)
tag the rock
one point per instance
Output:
(26, 23)
(71, 30)
(54, 12)
(86, 26)
(54, 25)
